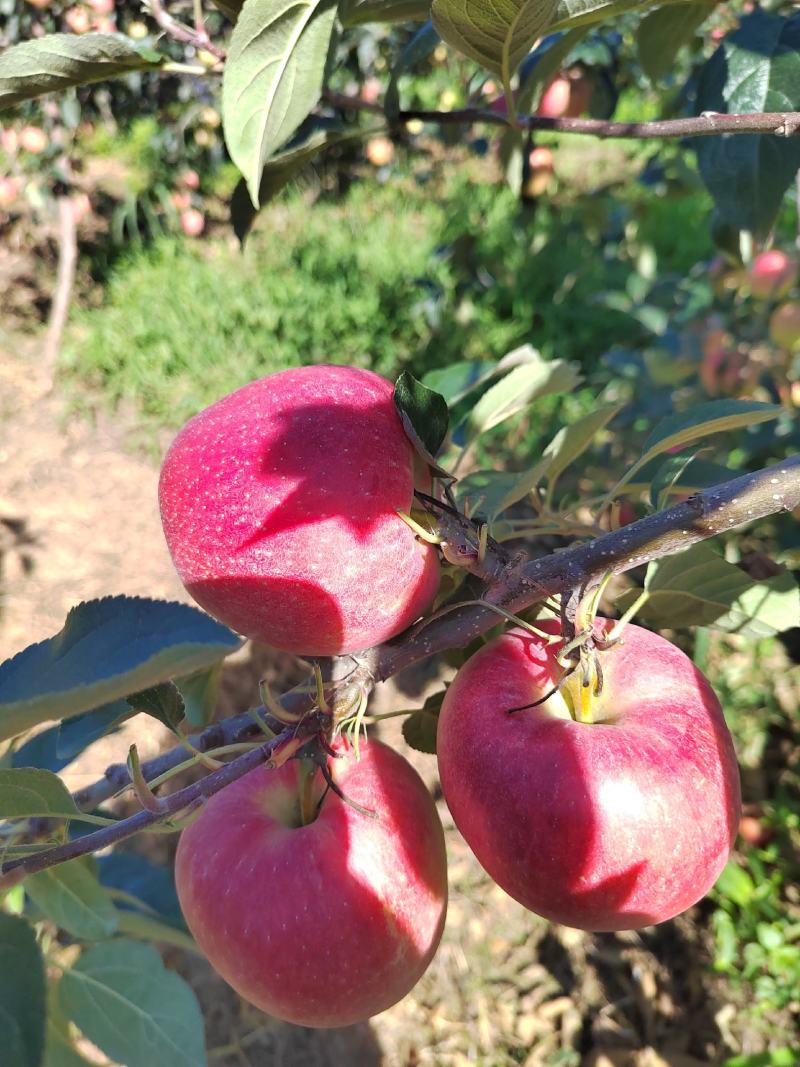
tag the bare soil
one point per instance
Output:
(78, 519)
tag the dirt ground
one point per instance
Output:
(78, 519)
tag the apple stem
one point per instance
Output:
(307, 785)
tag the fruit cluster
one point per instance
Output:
(280, 506)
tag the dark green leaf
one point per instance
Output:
(667, 476)
(663, 33)
(698, 475)
(498, 34)
(756, 68)
(419, 729)
(573, 440)
(163, 702)
(355, 14)
(423, 412)
(199, 692)
(458, 380)
(229, 8)
(27, 792)
(107, 649)
(418, 48)
(71, 896)
(60, 60)
(273, 78)
(54, 748)
(489, 493)
(122, 998)
(572, 13)
(22, 994)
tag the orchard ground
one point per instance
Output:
(505, 988)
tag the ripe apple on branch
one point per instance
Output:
(587, 763)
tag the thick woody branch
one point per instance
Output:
(513, 583)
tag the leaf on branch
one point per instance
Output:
(107, 649)
(679, 430)
(62, 60)
(22, 993)
(518, 389)
(663, 33)
(355, 14)
(54, 748)
(458, 380)
(418, 48)
(163, 702)
(71, 896)
(572, 13)
(756, 68)
(700, 588)
(273, 78)
(424, 415)
(498, 34)
(124, 1000)
(543, 64)
(572, 441)
(419, 729)
(199, 692)
(699, 474)
(490, 493)
(26, 792)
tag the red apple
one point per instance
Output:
(324, 924)
(279, 505)
(609, 825)
(192, 222)
(567, 96)
(9, 191)
(380, 151)
(772, 274)
(784, 325)
(78, 19)
(189, 178)
(33, 139)
(540, 172)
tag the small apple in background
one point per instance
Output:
(81, 207)
(180, 199)
(42, 5)
(192, 222)
(380, 151)
(772, 274)
(609, 825)
(568, 96)
(33, 139)
(104, 24)
(189, 178)
(137, 30)
(9, 192)
(78, 19)
(325, 924)
(101, 7)
(210, 118)
(540, 172)
(279, 504)
(371, 90)
(784, 325)
(724, 277)
(9, 140)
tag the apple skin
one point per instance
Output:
(606, 826)
(772, 274)
(279, 504)
(326, 924)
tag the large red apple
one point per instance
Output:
(608, 825)
(324, 924)
(279, 504)
(772, 274)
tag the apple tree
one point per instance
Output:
(366, 527)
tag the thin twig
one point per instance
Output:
(709, 124)
(67, 261)
(198, 37)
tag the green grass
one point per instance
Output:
(404, 275)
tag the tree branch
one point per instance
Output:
(513, 583)
(709, 124)
(198, 37)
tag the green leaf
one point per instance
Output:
(26, 792)
(700, 474)
(59, 61)
(736, 884)
(354, 14)
(22, 994)
(458, 380)
(498, 34)
(663, 33)
(700, 588)
(124, 1000)
(200, 692)
(146, 927)
(756, 68)
(107, 649)
(419, 729)
(163, 702)
(490, 492)
(572, 441)
(717, 416)
(777, 1057)
(572, 13)
(418, 48)
(273, 78)
(516, 391)
(71, 896)
(229, 8)
(423, 413)
(667, 475)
